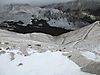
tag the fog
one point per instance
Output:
(33, 2)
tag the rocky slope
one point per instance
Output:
(54, 21)
(66, 17)
(36, 26)
(80, 12)
(83, 40)
(80, 46)
(25, 13)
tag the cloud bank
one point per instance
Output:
(33, 2)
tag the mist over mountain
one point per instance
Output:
(32, 2)
(75, 4)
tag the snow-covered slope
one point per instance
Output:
(28, 54)
(80, 46)
(86, 38)
(87, 41)
(47, 63)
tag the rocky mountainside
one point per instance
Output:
(25, 13)
(20, 17)
(36, 26)
(79, 11)
(71, 15)
(49, 39)
(63, 18)
(80, 46)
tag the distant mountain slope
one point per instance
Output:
(75, 4)
(25, 13)
(79, 10)
(71, 15)
(54, 17)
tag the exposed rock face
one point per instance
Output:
(80, 12)
(24, 13)
(36, 26)
(71, 15)
(93, 67)
(64, 18)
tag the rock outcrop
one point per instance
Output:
(37, 26)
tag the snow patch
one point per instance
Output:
(91, 55)
(47, 63)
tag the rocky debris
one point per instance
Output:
(0, 48)
(39, 45)
(22, 43)
(20, 64)
(12, 56)
(8, 46)
(78, 58)
(24, 50)
(2, 52)
(5, 46)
